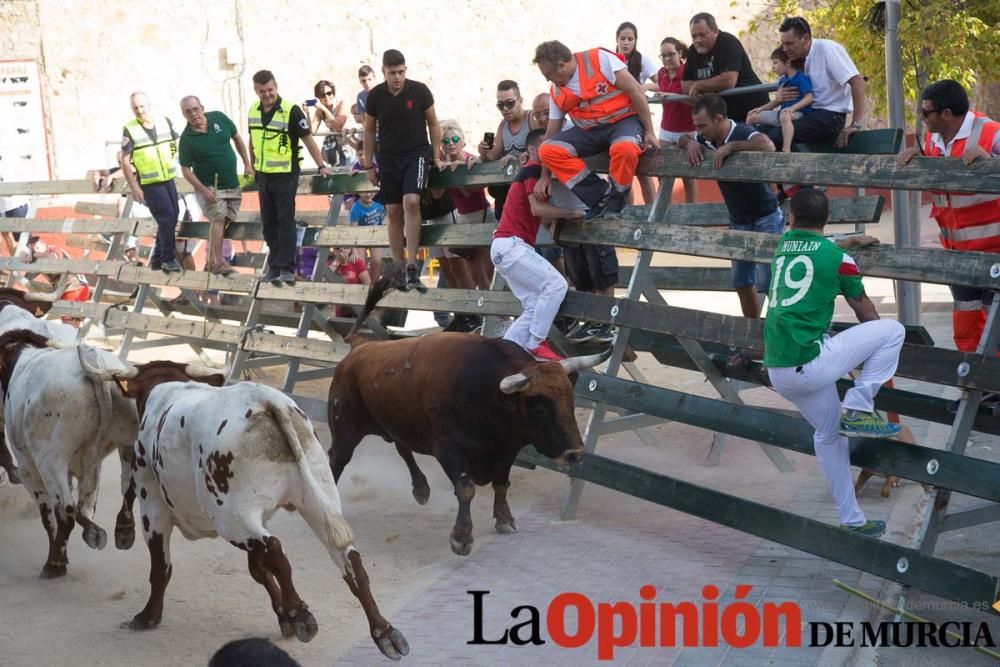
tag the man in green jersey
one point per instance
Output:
(804, 363)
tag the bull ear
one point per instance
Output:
(514, 383)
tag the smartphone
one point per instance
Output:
(311, 103)
(488, 138)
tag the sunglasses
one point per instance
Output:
(328, 93)
(929, 112)
(451, 140)
(506, 104)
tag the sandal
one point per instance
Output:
(222, 270)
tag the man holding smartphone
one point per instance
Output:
(402, 111)
(513, 132)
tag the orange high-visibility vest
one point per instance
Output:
(599, 102)
(967, 221)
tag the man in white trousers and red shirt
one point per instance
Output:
(804, 363)
(532, 279)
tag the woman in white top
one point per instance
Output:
(643, 69)
(330, 111)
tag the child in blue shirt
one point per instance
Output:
(366, 212)
(790, 75)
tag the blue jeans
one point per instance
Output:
(161, 200)
(750, 273)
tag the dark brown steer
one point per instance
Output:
(471, 402)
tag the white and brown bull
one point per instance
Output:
(220, 461)
(24, 310)
(61, 426)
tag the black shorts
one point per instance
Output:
(591, 267)
(398, 176)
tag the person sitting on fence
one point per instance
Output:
(366, 212)
(804, 363)
(471, 203)
(752, 206)
(969, 221)
(777, 112)
(532, 279)
(609, 112)
(328, 112)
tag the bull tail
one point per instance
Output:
(102, 391)
(390, 279)
(320, 512)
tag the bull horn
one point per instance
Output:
(513, 383)
(104, 374)
(50, 297)
(574, 364)
(199, 371)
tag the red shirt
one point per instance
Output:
(517, 219)
(351, 273)
(469, 200)
(676, 115)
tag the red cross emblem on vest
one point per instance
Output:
(602, 88)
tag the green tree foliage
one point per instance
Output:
(939, 39)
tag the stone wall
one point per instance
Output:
(92, 55)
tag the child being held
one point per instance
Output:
(790, 75)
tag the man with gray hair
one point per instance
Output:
(149, 163)
(208, 163)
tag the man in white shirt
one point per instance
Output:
(609, 112)
(838, 87)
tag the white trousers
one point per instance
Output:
(812, 388)
(535, 283)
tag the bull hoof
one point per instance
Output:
(139, 623)
(506, 527)
(285, 624)
(95, 537)
(304, 625)
(460, 547)
(392, 644)
(124, 537)
(422, 494)
(50, 571)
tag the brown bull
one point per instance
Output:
(471, 402)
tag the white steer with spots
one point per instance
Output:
(220, 461)
(61, 426)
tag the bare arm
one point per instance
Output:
(241, 148)
(434, 129)
(125, 162)
(196, 183)
(626, 82)
(857, 84)
(338, 119)
(545, 210)
(806, 100)
(863, 308)
(723, 81)
(758, 143)
(369, 141)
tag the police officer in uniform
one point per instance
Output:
(276, 126)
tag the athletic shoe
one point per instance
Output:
(598, 209)
(871, 528)
(616, 204)
(274, 277)
(413, 280)
(586, 334)
(545, 353)
(464, 324)
(867, 425)
(574, 328)
(171, 267)
(287, 277)
(154, 264)
(605, 333)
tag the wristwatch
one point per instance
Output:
(856, 125)
(326, 164)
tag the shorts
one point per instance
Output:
(669, 136)
(551, 253)
(440, 252)
(751, 273)
(591, 267)
(226, 206)
(771, 117)
(398, 176)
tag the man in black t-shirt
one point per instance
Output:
(403, 113)
(717, 61)
(752, 206)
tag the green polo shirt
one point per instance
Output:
(211, 153)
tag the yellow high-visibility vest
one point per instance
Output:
(155, 161)
(272, 144)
